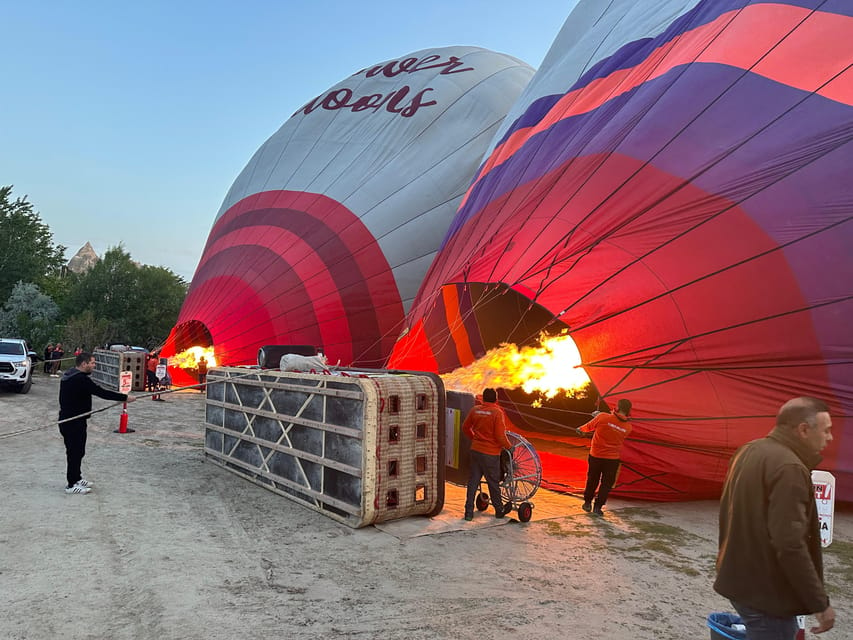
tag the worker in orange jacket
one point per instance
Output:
(609, 431)
(485, 426)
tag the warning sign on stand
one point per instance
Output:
(125, 381)
(824, 495)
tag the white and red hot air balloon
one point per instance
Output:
(325, 236)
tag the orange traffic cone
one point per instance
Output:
(122, 422)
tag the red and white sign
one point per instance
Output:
(824, 495)
(125, 381)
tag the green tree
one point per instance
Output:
(140, 304)
(87, 331)
(58, 285)
(160, 293)
(27, 251)
(29, 314)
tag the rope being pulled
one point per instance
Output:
(140, 396)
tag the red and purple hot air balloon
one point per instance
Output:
(673, 187)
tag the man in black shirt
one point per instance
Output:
(75, 401)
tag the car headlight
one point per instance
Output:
(21, 363)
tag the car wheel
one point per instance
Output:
(24, 388)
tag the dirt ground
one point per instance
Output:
(170, 546)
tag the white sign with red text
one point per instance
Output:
(125, 381)
(824, 495)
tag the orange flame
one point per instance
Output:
(553, 367)
(189, 359)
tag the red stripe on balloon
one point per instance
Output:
(284, 242)
(798, 47)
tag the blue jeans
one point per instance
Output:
(484, 465)
(763, 626)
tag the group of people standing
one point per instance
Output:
(769, 562)
(53, 357)
(54, 354)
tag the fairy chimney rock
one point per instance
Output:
(83, 260)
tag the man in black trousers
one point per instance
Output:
(75, 401)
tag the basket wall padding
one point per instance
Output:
(108, 364)
(360, 446)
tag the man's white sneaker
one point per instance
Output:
(82, 482)
(77, 489)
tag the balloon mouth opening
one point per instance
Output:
(193, 348)
(521, 348)
(193, 333)
(516, 345)
(479, 334)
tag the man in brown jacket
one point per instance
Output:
(770, 564)
(485, 426)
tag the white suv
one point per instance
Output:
(16, 364)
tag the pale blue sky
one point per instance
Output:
(128, 122)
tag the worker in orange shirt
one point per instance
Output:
(153, 382)
(201, 367)
(485, 426)
(609, 431)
